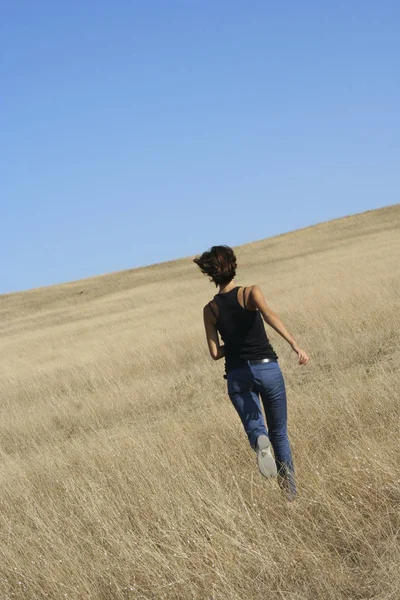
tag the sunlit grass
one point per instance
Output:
(125, 471)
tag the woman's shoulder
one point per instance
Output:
(251, 295)
(251, 288)
(212, 304)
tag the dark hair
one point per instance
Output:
(218, 263)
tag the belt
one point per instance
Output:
(262, 360)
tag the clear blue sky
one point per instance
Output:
(137, 132)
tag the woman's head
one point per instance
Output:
(218, 263)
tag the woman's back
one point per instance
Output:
(241, 330)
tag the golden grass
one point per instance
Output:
(125, 471)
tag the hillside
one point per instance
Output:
(125, 472)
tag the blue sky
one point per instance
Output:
(138, 132)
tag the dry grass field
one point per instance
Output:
(125, 472)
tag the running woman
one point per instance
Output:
(251, 365)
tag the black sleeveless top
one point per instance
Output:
(241, 330)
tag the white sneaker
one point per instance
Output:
(265, 460)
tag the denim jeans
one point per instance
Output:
(245, 386)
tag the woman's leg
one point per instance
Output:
(247, 403)
(271, 386)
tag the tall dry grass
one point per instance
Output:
(125, 471)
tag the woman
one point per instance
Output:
(251, 365)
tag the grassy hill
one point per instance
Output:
(125, 472)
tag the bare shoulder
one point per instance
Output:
(254, 296)
(207, 306)
(209, 313)
(254, 290)
(253, 287)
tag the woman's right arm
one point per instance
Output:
(257, 301)
(215, 348)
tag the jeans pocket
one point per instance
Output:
(239, 381)
(270, 368)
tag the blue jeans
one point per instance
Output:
(245, 386)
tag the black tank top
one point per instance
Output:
(241, 330)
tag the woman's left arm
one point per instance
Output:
(271, 318)
(216, 350)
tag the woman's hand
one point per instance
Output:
(302, 354)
